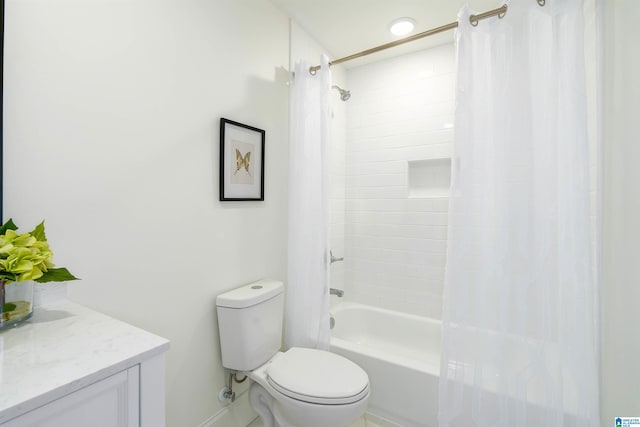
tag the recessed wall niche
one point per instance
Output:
(429, 178)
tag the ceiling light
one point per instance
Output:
(402, 26)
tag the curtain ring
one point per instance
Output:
(502, 14)
(312, 71)
(473, 20)
(542, 2)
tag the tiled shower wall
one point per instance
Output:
(400, 111)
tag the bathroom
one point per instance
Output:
(111, 128)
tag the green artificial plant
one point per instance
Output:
(26, 256)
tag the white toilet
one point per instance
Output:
(301, 387)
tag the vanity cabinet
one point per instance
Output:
(111, 402)
(73, 367)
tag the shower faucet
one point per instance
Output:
(344, 94)
(334, 259)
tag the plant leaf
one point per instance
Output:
(38, 232)
(56, 275)
(9, 225)
(8, 307)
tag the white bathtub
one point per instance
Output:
(401, 354)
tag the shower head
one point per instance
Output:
(344, 94)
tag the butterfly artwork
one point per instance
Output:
(242, 161)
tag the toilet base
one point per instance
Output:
(262, 402)
(288, 412)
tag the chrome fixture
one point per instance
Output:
(332, 322)
(227, 392)
(473, 19)
(344, 94)
(334, 259)
(337, 292)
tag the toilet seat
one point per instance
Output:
(317, 376)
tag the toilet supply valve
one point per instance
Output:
(227, 392)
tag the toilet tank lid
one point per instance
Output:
(251, 294)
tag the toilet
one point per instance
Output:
(301, 387)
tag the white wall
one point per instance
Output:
(401, 110)
(620, 393)
(111, 134)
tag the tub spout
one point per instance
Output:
(337, 292)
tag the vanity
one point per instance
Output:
(74, 367)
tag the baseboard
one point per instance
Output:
(220, 419)
(237, 414)
(380, 421)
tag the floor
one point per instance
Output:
(362, 422)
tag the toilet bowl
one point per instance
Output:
(310, 388)
(301, 387)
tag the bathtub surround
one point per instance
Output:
(519, 337)
(115, 107)
(307, 303)
(399, 121)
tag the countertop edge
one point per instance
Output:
(77, 382)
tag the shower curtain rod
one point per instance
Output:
(473, 19)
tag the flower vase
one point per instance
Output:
(16, 302)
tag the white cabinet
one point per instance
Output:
(112, 402)
(81, 369)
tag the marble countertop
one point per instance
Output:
(63, 348)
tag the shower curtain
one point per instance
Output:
(307, 300)
(520, 323)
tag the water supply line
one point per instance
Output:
(227, 392)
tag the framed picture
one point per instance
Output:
(241, 161)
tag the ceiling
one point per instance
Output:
(344, 27)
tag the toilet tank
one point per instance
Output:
(250, 324)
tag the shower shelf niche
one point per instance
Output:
(429, 178)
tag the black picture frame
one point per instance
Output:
(241, 162)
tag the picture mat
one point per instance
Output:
(242, 135)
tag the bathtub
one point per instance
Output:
(401, 354)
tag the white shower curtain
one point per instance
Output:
(519, 317)
(307, 300)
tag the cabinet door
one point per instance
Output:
(112, 402)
